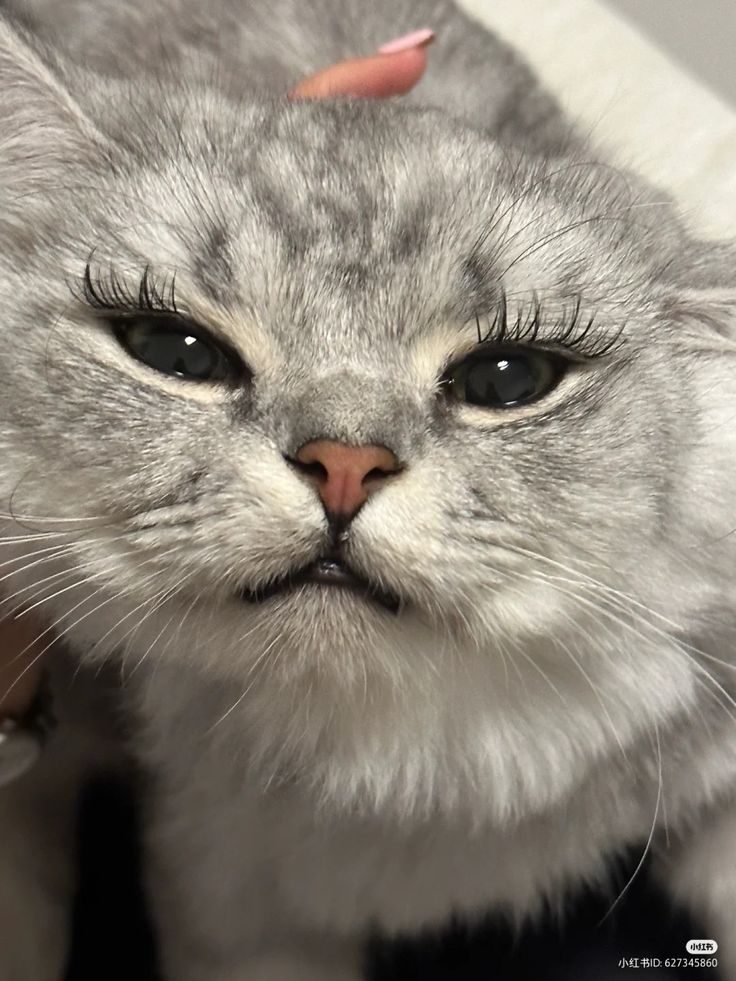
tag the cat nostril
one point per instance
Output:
(314, 469)
(378, 474)
(345, 476)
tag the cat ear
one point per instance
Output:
(42, 128)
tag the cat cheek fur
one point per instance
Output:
(567, 571)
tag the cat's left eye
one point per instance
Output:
(174, 346)
(504, 378)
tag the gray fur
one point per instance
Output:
(560, 680)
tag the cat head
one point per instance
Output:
(197, 293)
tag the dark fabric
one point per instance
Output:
(111, 934)
(577, 949)
(113, 939)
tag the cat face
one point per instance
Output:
(192, 295)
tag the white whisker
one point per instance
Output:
(648, 845)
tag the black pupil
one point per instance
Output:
(500, 380)
(172, 351)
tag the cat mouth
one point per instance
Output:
(330, 571)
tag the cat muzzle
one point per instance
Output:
(329, 571)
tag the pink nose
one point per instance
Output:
(345, 476)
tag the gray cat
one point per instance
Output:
(388, 450)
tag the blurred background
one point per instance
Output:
(699, 35)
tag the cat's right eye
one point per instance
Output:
(175, 346)
(503, 378)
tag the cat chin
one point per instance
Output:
(380, 714)
(374, 714)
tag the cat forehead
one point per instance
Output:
(347, 212)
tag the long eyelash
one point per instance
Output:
(530, 327)
(108, 291)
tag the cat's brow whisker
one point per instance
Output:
(548, 176)
(558, 233)
(506, 240)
